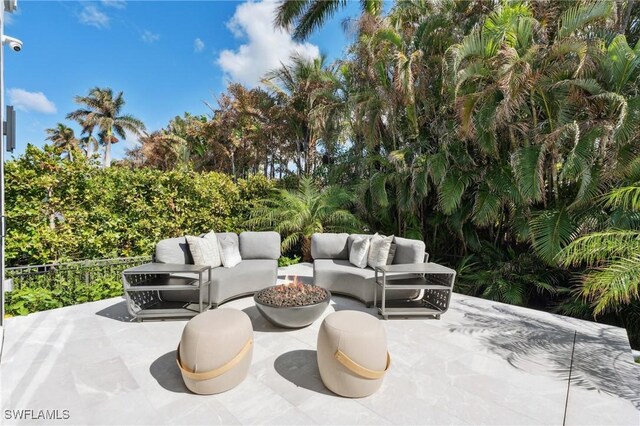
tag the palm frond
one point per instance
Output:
(614, 285)
(528, 170)
(288, 11)
(582, 14)
(551, 231)
(451, 191)
(315, 16)
(594, 248)
(627, 197)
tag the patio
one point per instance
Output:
(482, 363)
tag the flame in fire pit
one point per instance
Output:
(293, 283)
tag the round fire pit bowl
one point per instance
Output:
(292, 305)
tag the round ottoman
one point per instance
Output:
(215, 351)
(352, 353)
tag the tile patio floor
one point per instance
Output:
(482, 363)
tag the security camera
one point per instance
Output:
(14, 43)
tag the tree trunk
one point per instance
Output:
(107, 155)
(299, 157)
(233, 164)
(306, 249)
(52, 216)
(70, 153)
(624, 22)
(107, 150)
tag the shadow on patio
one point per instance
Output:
(602, 360)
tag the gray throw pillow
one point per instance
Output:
(392, 253)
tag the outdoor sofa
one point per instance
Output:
(259, 266)
(333, 270)
(258, 269)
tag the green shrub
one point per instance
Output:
(26, 300)
(58, 210)
(288, 261)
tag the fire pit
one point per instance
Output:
(292, 305)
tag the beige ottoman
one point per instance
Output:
(352, 353)
(215, 351)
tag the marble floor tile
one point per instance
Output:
(482, 363)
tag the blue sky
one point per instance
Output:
(166, 56)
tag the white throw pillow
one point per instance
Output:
(379, 250)
(359, 252)
(204, 250)
(229, 252)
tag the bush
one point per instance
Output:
(288, 261)
(26, 300)
(53, 286)
(58, 210)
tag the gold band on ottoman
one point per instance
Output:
(353, 356)
(360, 370)
(206, 375)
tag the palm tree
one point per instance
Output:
(308, 88)
(612, 254)
(89, 144)
(309, 15)
(63, 138)
(299, 214)
(103, 111)
(551, 103)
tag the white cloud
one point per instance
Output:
(131, 140)
(9, 18)
(31, 101)
(266, 47)
(91, 15)
(198, 45)
(149, 37)
(117, 4)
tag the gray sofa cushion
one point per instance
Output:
(173, 250)
(329, 246)
(247, 277)
(340, 276)
(408, 251)
(260, 245)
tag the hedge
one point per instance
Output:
(59, 210)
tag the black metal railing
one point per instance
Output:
(52, 275)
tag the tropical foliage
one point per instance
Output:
(612, 254)
(58, 210)
(308, 15)
(298, 214)
(64, 139)
(102, 112)
(492, 130)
